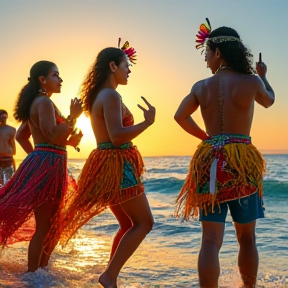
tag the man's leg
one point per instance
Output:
(244, 212)
(208, 261)
(248, 254)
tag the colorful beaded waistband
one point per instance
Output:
(224, 139)
(50, 148)
(109, 145)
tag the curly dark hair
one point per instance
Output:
(2, 111)
(235, 53)
(98, 74)
(31, 89)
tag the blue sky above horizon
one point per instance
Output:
(71, 33)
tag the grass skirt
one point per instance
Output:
(41, 178)
(109, 177)
(238, 172)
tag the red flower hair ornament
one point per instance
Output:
(129, 51)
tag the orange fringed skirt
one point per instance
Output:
(223, 168)
(110, 176)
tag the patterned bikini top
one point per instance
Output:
(127, 118)
(59, 118)
(58, 115)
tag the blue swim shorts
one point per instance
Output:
(243, 210)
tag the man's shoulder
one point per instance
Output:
(198, 87)
(251, 77)
(10, 129)
(7, 130)
(199, 84)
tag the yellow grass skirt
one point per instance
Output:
(238, 169)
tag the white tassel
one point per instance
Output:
(213, 176)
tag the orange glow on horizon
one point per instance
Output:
(167, 63)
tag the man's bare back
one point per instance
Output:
(238, 91)
(226, 158)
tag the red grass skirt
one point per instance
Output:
(41, 178)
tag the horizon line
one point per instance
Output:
(269, 152)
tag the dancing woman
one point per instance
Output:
(111, 176)
(39, 185)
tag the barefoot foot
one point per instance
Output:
(106, 282)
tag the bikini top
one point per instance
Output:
(127, 118)
(59, 118)
(58, 115)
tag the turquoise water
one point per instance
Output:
(168, 255)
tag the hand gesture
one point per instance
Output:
(261, 69)
(149, 114)
(75, 108)
(75, 138)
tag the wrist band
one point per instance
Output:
(71, 122)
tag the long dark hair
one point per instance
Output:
(235, 53)
(98, 74)
(31, 90)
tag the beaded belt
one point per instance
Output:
(221, 140)
(109, 145)
(50, 148)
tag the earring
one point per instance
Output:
(42, 91)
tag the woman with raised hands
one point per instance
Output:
(40, 183)
(111, 176)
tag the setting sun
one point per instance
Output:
(83, 123)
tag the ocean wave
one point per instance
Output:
(178, 169)
(274, 188)
(170, 185)
(167, 185)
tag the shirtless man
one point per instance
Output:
(7, 148)
(226, 171)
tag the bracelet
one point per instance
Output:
(71, 122)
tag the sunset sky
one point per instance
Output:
(71, 33)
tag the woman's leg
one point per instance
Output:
(125, 224)
(139, 212)
(43, 215)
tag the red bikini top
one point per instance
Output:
(128, 119)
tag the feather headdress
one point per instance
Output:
(129, 51)
(203, 34)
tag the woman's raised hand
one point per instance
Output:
(75, 108)
(149, 114)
